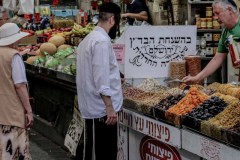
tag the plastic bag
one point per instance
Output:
(140, 23)
(9, 4)
(144, 23)
(137, 23)
(26, 7)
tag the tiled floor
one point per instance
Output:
(42, 148)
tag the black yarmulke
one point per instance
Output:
(110, 8)
(232, 3)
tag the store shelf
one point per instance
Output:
(209, 30)
(199, 2)
(197, 7)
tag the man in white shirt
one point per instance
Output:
(99, 85)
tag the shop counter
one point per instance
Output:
(143, 137)
(206, 147)
(140, 136)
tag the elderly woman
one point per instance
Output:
(16, 113)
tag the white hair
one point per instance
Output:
(225, 4)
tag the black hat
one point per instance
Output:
(110, 7)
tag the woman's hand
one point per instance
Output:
(25, 51)
(29, 120)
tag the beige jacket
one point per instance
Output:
(11, 108)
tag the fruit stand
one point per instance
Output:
(53, 95)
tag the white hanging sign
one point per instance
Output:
(75, 130)
(149, 49)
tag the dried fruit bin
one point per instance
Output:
(146, 109)
(191, 122)
(173, 118)
(232, 136)
(204, 128)
(205, 111)
(212, 130)
(129, 103)
(168, 117)
(158, 113)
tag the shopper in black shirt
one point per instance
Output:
(136, 9)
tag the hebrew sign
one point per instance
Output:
(149, 49)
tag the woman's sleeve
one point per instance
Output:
(18, 70)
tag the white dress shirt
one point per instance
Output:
(97, 73)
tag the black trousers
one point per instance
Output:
(105, 140)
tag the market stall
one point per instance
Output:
(149, 123)
(161, 118)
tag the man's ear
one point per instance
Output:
(112, 20)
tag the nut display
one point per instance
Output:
(177, 69)
(227, 98)
(229, 89)
(148, 103)
(213, 86)
(224, 88)
(174, 91)
(151, 85)
(132, 92)
(226, 119)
